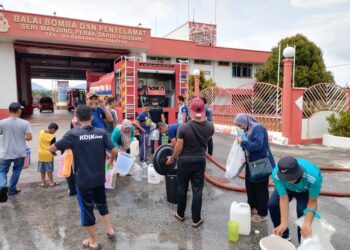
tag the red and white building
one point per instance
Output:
(51, 47)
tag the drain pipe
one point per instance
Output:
(219, 184)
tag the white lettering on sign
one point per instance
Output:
(90, 137)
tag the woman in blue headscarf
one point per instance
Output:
(255, 143)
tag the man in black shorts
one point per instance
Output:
(89, 145)
(157, 115)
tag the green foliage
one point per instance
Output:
(42, 93)
(203, 83)
(339, 126)
(310, 68)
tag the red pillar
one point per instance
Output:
(348, 98)
(287, 97)
(196, 85)
(296, 119)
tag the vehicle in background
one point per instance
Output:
(36, 100)
(46, 103)
(75, 97)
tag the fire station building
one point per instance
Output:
(51, 47)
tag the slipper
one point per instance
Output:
(42, 185)
(111, 236)
(200, 222)
(257, 218)
(54, 184)
(88, 246)
(178, 217)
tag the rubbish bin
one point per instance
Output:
(171, 185)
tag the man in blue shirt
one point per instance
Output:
(89, 145)
(99, 111)
(171, 130)
(143, 124)
(299, 179)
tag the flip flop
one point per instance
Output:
(111, 236)
(88, 246)
(42, 185)
(54, 184)
(200, 222)
(178, 217)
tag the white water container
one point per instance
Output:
(153, 176)
(137, 172)
(240, 212)
(134, 148)
(274, 242)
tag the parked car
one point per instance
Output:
(46, 103)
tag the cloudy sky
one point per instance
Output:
(248, 24)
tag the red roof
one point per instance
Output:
(189, 49)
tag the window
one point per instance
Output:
(181, 59)
(242, 70)
(158, 59)
(200, 61)
(221, 63)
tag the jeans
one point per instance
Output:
(16, 172)
(274, 208)
(190, 169)
(144, 139)
(258, 195)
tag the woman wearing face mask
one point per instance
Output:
(254, 141)
(123, 135)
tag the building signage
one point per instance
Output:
(72, 30)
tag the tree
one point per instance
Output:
(41, 93)
(203, 83)
(310, 68)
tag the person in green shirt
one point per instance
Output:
(123, 135)
(294, 178)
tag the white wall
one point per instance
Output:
(222, 75)
(8, 83)
(316, 126)
(181, 33)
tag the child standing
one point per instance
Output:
(45, 159)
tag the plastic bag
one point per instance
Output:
(137, 172)
(312, 243)
(322, 229)
(235, 161)
(66, 162)
(110, 179)
(135, 148)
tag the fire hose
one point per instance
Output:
(219, 184)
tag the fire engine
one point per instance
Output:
(135, 83)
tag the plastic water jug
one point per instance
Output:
(240, 212)
(135, 148)
(152, 176)
(232, 230)
(137, 172)
(274, 242)
(124, 163)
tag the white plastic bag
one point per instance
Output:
(135, 148)
(322, 229)
(137, 172)
(235, 161)
(312, 243)
(110, 179)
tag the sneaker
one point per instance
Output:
(3, 194)
(17, 191)
(257, 218)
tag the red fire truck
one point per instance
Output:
(134, 83)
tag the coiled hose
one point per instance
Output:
(219, 184)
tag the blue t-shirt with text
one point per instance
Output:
(98, 116)
(145, 120)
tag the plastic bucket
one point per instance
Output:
(124, 163)
(171, 185)
(274, 242)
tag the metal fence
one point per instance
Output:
(324, 96)
(261, 100)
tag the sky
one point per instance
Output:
(250, 24)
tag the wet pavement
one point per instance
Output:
(47, 218)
